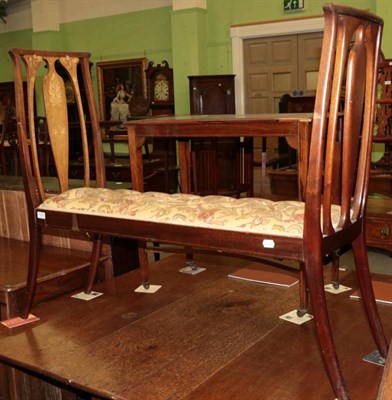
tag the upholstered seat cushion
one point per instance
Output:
(283, 218)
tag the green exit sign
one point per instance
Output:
(293, 5)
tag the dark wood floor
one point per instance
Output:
(199, 337)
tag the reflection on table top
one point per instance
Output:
(221, 125)
(179, 119)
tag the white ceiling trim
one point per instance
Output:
(20, 11)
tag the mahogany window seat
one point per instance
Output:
(305, 231)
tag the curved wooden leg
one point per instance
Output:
(303, 292)
(385, 389)
(143, 263)
(34, 255)
(94, 262)
(315, 279)
(369, 302)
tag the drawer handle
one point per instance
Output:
(385, 232)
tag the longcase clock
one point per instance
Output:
(160, 88)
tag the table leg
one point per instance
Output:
(185, 166)
(136, 159)
(303, 157)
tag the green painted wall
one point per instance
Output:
(384, 9)
(193, 41)
(224, 13)
(131, 35)
(189, 39)
(19, 39)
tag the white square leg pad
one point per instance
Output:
(329, 288)
(151, 289)
(87, 297)
(375, 358)
(295, 319)
(190, 271)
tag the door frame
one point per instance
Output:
(239, 33)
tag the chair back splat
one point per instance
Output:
(348, 70)
(57, 68)
(330, 218)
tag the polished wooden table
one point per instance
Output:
(200, 337)
(296, 128)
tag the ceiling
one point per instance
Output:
(12, 2)
(8, 7)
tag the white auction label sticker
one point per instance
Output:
(41, 215)
(268, 243)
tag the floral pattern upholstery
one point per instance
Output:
(254, 215)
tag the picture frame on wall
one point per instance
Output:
(119, 82)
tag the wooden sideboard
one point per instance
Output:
(213, 168)
(379, 223)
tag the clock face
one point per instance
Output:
(161, 90)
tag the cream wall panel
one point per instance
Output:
(184, 4)
(77, 10)
(45, 15)
(20, 15)
(19, 18)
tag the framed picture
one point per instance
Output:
(118, 83)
